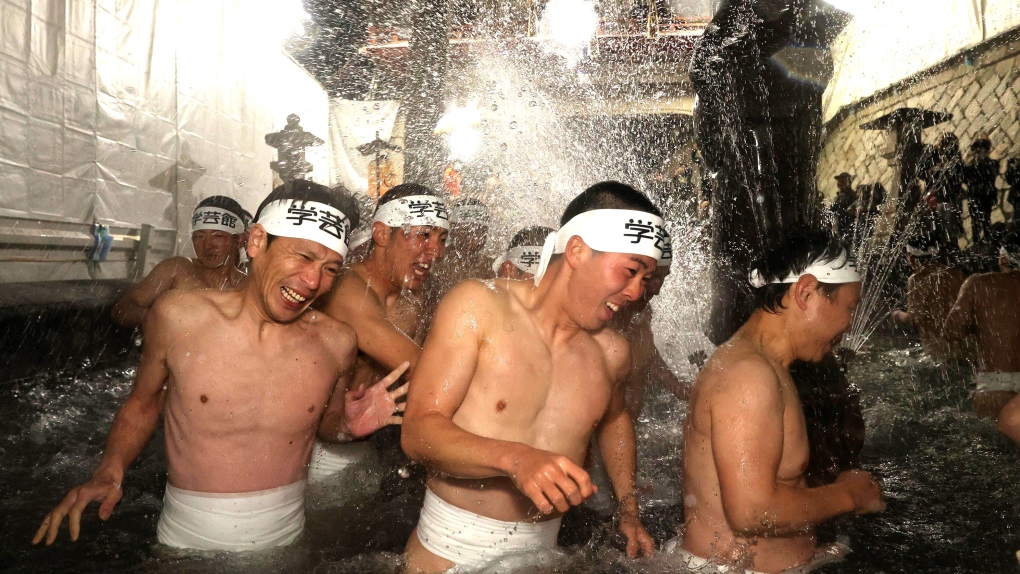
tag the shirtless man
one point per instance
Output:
(745, 443)
(931, 290)
(522, 255)
(379, 297)
(469, 231)
(217, 233)
(987, 308)
(245, 376)
(635, 324)
(514, 379)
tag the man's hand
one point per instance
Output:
(864, 489)
(101, 487)
(639, 542)
(367, 410)
(552, 481)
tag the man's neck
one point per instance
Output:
(379, 275)
(549, 302)
(218, 277)
(770, 333)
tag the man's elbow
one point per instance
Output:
(751, 520)
(412, 439)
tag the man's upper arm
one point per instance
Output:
(159, 329)
(450, 356)
(158, 281)
(356, 304)
(747, 436)
(960, 319)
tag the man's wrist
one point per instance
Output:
(344, 432)
(109, 472)
(509, 460)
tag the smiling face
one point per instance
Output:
(604, 283)
(411, 252)
(215, 249)
(290, 273)
(827, 318)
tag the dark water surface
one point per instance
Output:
(952, 485)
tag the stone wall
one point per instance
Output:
(979, 87)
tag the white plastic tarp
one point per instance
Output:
(890, 40)
(130, 111)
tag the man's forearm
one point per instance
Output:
(434, 440)
(618, 444)
(128, 314)
(793, 509)
(131, 430)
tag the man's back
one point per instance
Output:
(989, 303)
(549, 395)
(239, 395)
(931, 292)
(738, 385)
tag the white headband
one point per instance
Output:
(311, 220)
(471, 213)
(842, 269)
(524, 257)
(361, 236)
(216, 219)
(666, 259)
(609, 231)
(1014, 260)
(414, 210)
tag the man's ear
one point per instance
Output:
(508, 271)
(805, 288)
(381, 234)
(257, 241)
(577, 252)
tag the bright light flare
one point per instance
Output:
(567, 26)
(273, 23)
(460, 126)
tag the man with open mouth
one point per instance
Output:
(514, 380)
(242, 378)
(380, 297)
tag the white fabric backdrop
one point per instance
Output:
(899, 38)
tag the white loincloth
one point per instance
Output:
(234, 522)
(329, 459)
(471, 540)
(998, 382)
(823, 555)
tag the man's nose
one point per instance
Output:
(312, 277)
(635, 289)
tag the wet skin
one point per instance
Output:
(745, 441)
(512, 383)
(244, 376)
(931, 291)
(214, 267)
(635, 324)
(987, 309)
(378, 298)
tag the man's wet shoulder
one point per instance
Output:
(332, 332)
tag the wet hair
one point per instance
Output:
(534, 235)
(923, 242)
(303, 190)
(608, 195)
(225, 203)
(982, 144)
(793, 255)
(1012, 243)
